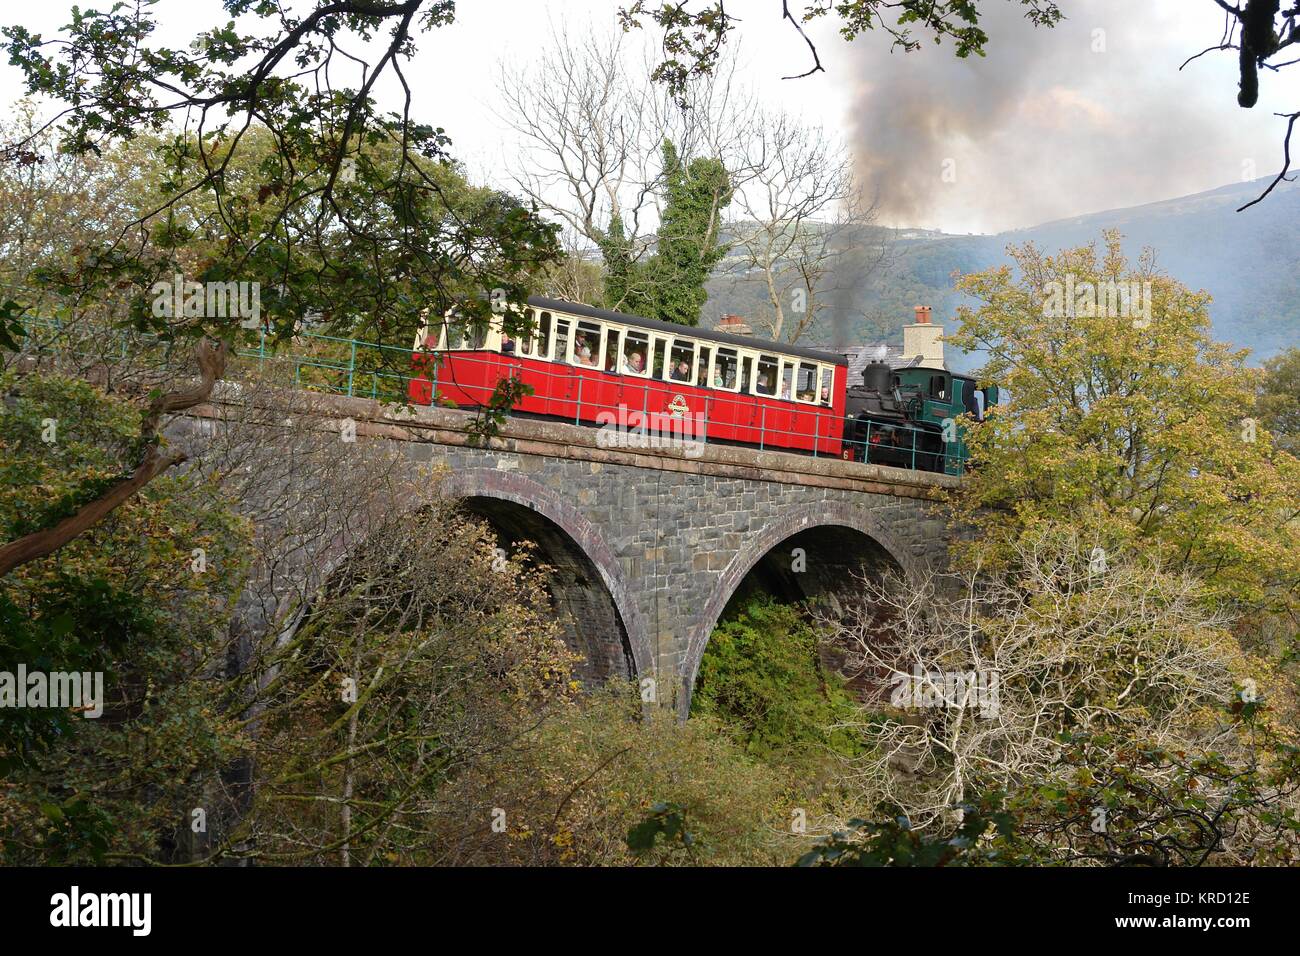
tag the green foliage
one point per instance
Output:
(1118, 801)
(892, 840)
(762, 678)
(310, 190)
(1279, 400)
(124, 599)
(666, 821)
(1133, 426)
(603, 782)
(1109, 801)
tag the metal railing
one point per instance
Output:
(363, 369)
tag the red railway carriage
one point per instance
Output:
(595, 367)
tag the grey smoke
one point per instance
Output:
(1044, 127)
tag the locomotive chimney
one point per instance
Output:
(924, 340)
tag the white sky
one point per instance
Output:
(1131, 102)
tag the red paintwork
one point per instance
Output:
(578, 394)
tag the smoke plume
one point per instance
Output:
(1090, 115)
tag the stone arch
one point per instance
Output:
(532, 510)
(823, 516)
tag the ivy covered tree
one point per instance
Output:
(669, 285)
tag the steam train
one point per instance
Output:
(595, 367)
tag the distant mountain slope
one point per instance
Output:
(1248, 261)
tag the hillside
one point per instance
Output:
(1248, 261)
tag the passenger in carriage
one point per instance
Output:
(507, 345)
(681, 372)
(826, 395)
(582, 351)
(634, 362)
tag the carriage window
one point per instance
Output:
(765, 383)
(544, 335)
(611, 351)
(702, 377)
(683, 361)
(787, 380)
(476, 335)
(726, 369)
(828, 377)
(586, 345)
(661, 349)
(562, 341)
(805, 384)
(746, 373)
(939, 387)
(524, 345)
(635, 351)
(435, 337)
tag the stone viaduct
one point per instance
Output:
(646, 546)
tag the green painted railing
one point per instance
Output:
(320, 362)
(363, 369)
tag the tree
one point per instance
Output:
(594, 124)
(801, 223)
(976, 680)
(761, 676)
(341, 183)
(1125, 417)
(141, 599)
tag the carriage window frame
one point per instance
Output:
(770, 359)
(659, 352)
(587, 328)
(525, 344)
(613, 349)
(815, 372)
(703, 365)
(674, 346)
(567, 338)
(716, 363)
(545, 325)
(631, 339)
(747, 376)
(787, 369)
